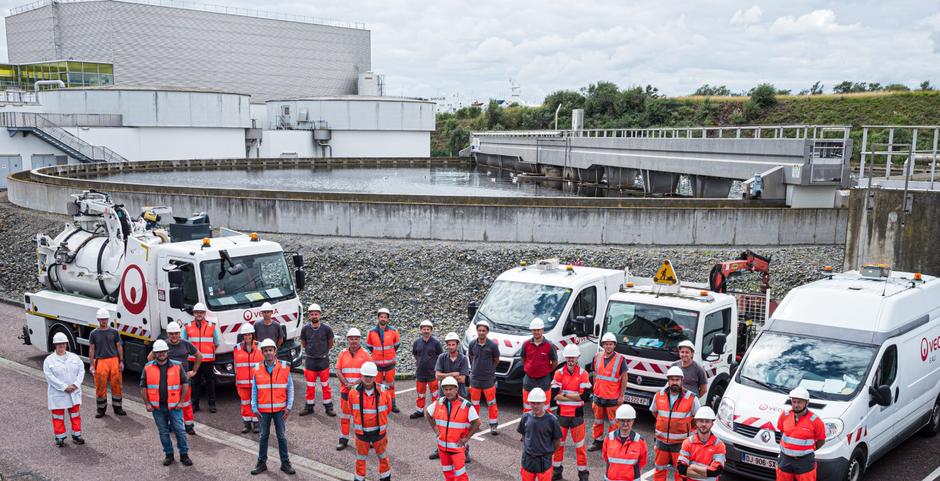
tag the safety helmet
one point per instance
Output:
(675, 371)
(160, 346)
(383, 311)
(102, 314)
(799, 393)
(246, 329)
(451, 336)
(266, 307)
(537, 395)
(571, 350)
(484, 324)
(199, 307)
(449, 381)
(314, 307)
(686, 343)
(536, 324)
(609, 337)
(60, 338)
(705, 412)
(267, 343)
(426, 323)
(353, 332)
(625, 412)
(369, 369)
(173, 327)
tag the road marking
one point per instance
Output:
(933, 476)
(479, 436)
(402, 391)
(246, 445)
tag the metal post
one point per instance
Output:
(933, 155)
(861, 171)
(890, 149)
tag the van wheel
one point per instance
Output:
(856, 467)
(933, 426)
(714, 396)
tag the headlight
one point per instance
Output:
(726, 412)
(833, 428)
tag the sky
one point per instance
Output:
(440, 48)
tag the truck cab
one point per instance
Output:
(650, 321)
(567, 298)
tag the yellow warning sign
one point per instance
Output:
(666, 275)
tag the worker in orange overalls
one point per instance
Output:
(383, 342)
(454, 420)
(205, 336)
(673, 408)
(348, 366)
(803, 432)
(610, 382)
(569, 384)
(702, 455)
(246, 357)
(370, 404)
(106, 356)
(624, 449)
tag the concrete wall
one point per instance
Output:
(356, 113)
(26, 147)
(166, 143)
(879, 230)
(347, 143)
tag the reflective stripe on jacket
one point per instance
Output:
(710, 454)
(246, 361)
(571, 383)
(348, 365)
(453, 425)
(370, 411)
(383, 345)
(174, 388)
(799, 437)
(272, 388)
(674, 422)
(203, 338)
(607, 376)
(624, 460)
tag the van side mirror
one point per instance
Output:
(718, 343)
(176, 297)
(300, 279)
(472, 308)
(880, 396)
(597, 330)
(298, 260)
(175, 277)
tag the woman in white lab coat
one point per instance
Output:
(64, 372)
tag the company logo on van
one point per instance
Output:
(928, 346)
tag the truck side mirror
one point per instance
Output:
(300, 279)
(175, 277)
(578, 325)
(298, 260)
(176, 297)
(719, 343)
(597, 330)
(880, 396)
(472, 308)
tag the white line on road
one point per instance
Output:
(479, 436)
(934, 475)
(405, 390)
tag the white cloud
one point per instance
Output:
(746, 17)
(817, 21)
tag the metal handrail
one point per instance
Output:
(816, 132)
(50, 128)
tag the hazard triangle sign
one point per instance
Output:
(666, 275)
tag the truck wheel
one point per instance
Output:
(933, 426)
(714, 396)
(57, 328)
(856, 467)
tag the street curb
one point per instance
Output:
(7, 300)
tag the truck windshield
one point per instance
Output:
(512, 305)
(829, 369)
(263, 277)
(651, 327)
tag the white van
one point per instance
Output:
(867, 347)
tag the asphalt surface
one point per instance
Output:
(122, 448)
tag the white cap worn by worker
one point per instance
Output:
(625, 412)
(675, 371)
(160, 346)
(536, 324)
(59, 338)
(383, 311)
(199, 307)
(369, 369)
(268, 343)
(449, 381)
(246, 329)
(102, 314)
(686, 343)
(314, 307)
(537, 395)
(571, 350)
(174, 327)
(705, 412)
(799, 393)
(451, 336)
(484, 324)
(266, 307)
(609, 337)
(353, 332)
(426, 323)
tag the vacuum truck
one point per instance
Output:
(147, 274)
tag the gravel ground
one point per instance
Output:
(350, 278)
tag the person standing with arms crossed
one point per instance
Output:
(803, 433)
(539, 361)
(181, 351)
(205, 336)
(624, 449)
(610, 382)
(106, 356)
(673, 408)
(568, 385)
(383, 342)
(484, 357)
(348, 371)
(316, 338)
(426, 349)
(541, 437)
(64, 372)
(702, 455)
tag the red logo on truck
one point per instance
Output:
(928, 346)
(133, 290)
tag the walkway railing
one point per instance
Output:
(899, 157)
(830, 132)
(46, 126)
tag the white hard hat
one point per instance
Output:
(451, 336)
(160, 346)
(705, 412)
(60, 338)
(609, 337)
(353, 332)
(537, 395)
(571, 350)
(426, 323)
(675, 371)
(449, 381)
(246, 328)
(199, 307)
(626, 412)
(314, 307)
(484, 324)
(383, 311)
(369, 369)
(268, 343)
(266, 307)
(686, 343)
(799, 393)
(536, 324)
(174, 327)
(102, 314)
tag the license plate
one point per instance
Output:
(759, 461)
(642, 401)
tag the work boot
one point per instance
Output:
(168, 460)
(190, 430)
(196, 408)
(119, 411)
(308, 409)
(493, 431)
(212, 409)
(434, 455)
(287, 468)
(100, 413)
(341, 445)
(584, 475)
(329, 410)
(596, 446)
(256, 427)
(60, 443)
(395, 407)
(77, 439)
(259, 468)
(184, 458)
(247, 428)
(556, 473)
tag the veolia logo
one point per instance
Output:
(247, 315)
(133, 290)
(928, 346)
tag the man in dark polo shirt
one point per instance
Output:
(267, 327)
(426, 349)
(484, 356)
(317, 339)
(541, 436)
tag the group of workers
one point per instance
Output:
(458, 385)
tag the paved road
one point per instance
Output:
(220, 452)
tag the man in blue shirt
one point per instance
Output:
(272, 395)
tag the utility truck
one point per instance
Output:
(566, 297)
(147, 277)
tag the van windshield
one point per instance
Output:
(257, 278)
(829, 369)
(650, 327)
(512, 305)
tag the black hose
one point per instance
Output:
(104, 290)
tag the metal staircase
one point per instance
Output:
(44, 128)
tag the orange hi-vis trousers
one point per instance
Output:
(422, 388)
(577, 435)
(454, 465)
(603, 415)
(388, 379)
(58, 421)
(187, 405)
(345, 416)
(543, 476)
(107, 371)
(489, 396)
(664, 463)
(315, 378)
(807, 476)
(362, 452)
(244, 394)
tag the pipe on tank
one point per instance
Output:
(40, 83)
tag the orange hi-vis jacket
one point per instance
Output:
(383, 344)
(571, 384)
(799, 437)
(370, 412)
(607, 378)
(452, 423)
(174, 388)
(624, 460)
(203, 338)
(348, 365)
(245, 362)
(674, 422)
(272, 388)
(710, 454)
